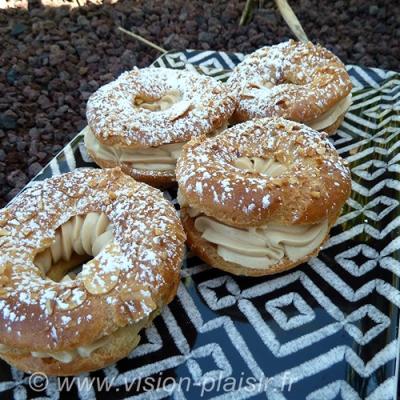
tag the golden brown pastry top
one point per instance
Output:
(314, 185)
(295, 80)
(135, 274)
(200, 105)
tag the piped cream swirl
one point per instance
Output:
(264, 246)
(68, 356)
(329, 117)
(161, 158)
(170, 98)
(82, 234)
(268, 167)
(87, 350)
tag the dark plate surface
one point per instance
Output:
(326, 330)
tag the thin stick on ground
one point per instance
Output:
(143, 40)
(290, 17)
(246, 12)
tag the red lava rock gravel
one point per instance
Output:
(55, 54)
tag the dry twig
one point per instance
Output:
(246, 12)
(290, 17)
(143, 40)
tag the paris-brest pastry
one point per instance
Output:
(141, 120)
(130, 241)
(298, 81)
(261, 197)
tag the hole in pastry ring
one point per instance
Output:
(314, 186)
(133, 277)
(295, 80)
(204, 105)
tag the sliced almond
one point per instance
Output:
(278, 182)
(254, 85)
(27, 232)
(4, 242)
(35, 295)
(247, 95)
(25, 215)
(138, 101)
(99, 280)
(112, 195)
(316, 195)
(71, 298)
(92, 183)
(157, 231)
(49, 307)
(130, 294)
(179, 110)
(308, 152)
(137, 303)
(299, 140)
(3, 232)
(4, 279)
(280, 156)
(149, 302)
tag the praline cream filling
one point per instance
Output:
(170, 98)
(323, 121)
(83, 234)
(262, 246)
(263, 166)
(161, 158)
(68, 356)
(329, 117)
(86, 351)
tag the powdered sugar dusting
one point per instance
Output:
(130, 264)
(266, 201)
(298, 81)
(312, 169)
(113, 117)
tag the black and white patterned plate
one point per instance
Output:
(326, 330)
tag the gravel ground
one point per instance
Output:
(53, 56)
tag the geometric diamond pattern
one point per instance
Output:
(304, 312)
(380, 323)
(222, 368)
(208, 290)
(358, 260)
